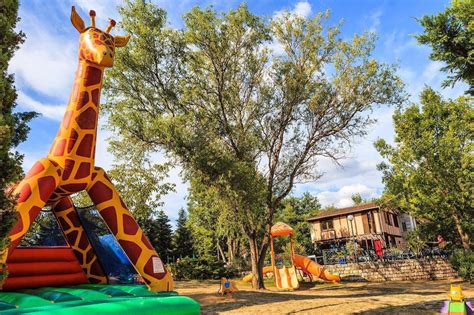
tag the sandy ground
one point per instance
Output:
(418, 297)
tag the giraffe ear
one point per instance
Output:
(77, 21)
(121, 41)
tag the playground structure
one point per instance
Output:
(285, 277)
(457, 305)
(69, 168)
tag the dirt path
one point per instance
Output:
(418, 297)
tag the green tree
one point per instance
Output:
(182, 238)
(213, 222)
(161, 236)
(294, 211)
(429, 172)
(450, 34)
(238, 116)
(357, 198)
(13, 126)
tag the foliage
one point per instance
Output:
(294, 211)
(430, 169)
(463, 261)
(201, 268)
(450, 35)
(44, 231)
(357, 198)
(238, 116)
(160, 235)
(414, 241)
(13, 125)
(213, 223)
(183, 244)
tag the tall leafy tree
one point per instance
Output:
(429, 172)
(183, 239)
(236, 115)
(161, 236)
(357, 199)
(450, 34)
(13, 125)
(214, 221)
(294, 211)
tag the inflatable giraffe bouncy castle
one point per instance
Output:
(69, 168)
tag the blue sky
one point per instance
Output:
(45, 64)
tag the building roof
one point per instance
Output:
(343, 211)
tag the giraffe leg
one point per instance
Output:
(130, 236)
(76, 236)
(33, 193)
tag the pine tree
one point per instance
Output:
(161, 236)
(13, 126)
(183, 241)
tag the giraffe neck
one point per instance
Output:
(77, 134)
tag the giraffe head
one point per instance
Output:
(96, 46)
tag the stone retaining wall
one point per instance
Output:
(410, 269)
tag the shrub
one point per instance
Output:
(201, 268)
(463, 261)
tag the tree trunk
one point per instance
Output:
(257, 275)
(230, 249)
(220, 251)
(465, 239)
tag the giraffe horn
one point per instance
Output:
(92, 15)
(111, 24)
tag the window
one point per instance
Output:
(395, 219)
(387, 217)
(404, 226)
(327, 225)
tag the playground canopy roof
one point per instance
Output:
(280, 228)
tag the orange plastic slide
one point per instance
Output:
(309, 266)
(265, 270)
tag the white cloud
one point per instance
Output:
(302, 9)
(374, 19)
(45, 63)
(342, 197)
(54, 112)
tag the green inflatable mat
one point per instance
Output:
(93, 299)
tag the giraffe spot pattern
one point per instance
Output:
(100, 192)
(92, 76)
(149, 269)
(25, 193)
(67, 119)
(85, 147)
(36, 169)
(147, 242)
(72, 216)
(68, 167)
(82, 100)
(18, 227)
(83, 171)
(33, 213)
(133, 250)
(130, 227)
(87, 119)
(73, 135)
(60, 147)
(65, 226)
(95, 97)
(46, 186)
(83, 242)
(110, 217)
